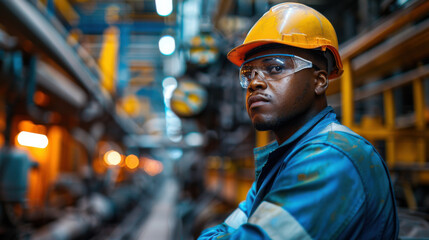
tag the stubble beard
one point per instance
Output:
(272, 124)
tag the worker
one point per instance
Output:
(318, 179)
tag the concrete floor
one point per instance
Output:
(161, 222)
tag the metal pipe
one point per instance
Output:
(22, 17)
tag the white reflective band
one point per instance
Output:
(278, 223)
(236, 218)
(338, 128)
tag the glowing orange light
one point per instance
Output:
(112, 158)
(30, 139)
(41, 98)
(25, 125)
(132, 161)
(152, 167)
(29, 126)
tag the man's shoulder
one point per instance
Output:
(341, 138)
(359, 152)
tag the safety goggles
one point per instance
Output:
(271, 67)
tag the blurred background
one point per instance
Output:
(124, 119)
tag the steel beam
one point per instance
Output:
(385, 28)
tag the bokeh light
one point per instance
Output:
(167, 45)
(164, 7)
(112, 158)
(152, 167)
(30, 139)
(132, 161)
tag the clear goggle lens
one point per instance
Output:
(271, 67)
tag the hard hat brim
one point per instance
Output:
(238, 54)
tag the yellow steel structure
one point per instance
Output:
(67, 11)
(347, 105)
(419, 108)
(389, 115)
(262, 138)
(108, 58)
(367, 59)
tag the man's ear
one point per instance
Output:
(321, 82)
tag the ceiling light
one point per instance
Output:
(164, 7)
(167, 45)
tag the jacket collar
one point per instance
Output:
(261, 154)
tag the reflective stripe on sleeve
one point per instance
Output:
(236, 218)
(277, 222)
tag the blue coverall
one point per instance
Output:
(324, 182)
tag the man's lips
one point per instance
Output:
(257, 100)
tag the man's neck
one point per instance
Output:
(285, 131)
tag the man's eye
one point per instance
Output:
(275, 69)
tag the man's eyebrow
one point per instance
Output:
(275, 59)
(267, 59)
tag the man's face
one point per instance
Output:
(274, 104)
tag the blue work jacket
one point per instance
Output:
(324, 182)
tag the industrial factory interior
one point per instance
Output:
(124, 119)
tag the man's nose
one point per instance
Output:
(257, 80)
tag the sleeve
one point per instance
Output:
(237, 218)
(318, 194)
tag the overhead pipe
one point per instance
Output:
(23, 18)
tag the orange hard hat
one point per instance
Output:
(295, 25)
